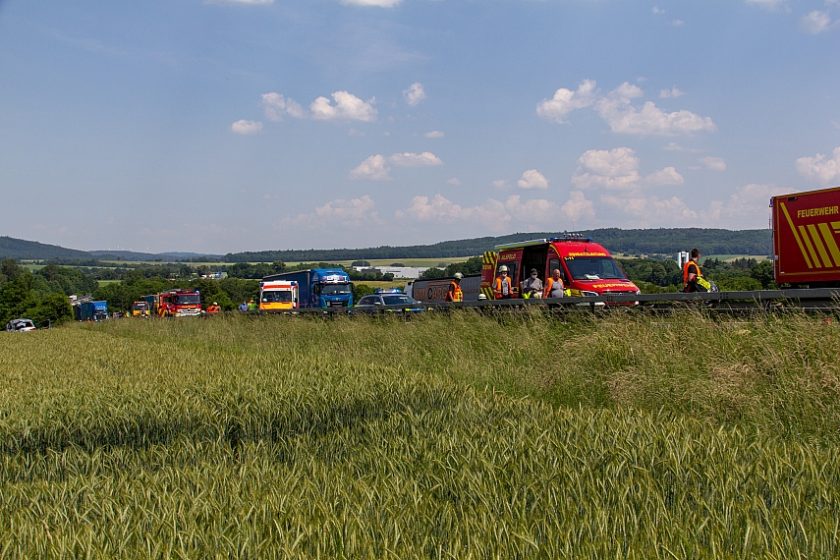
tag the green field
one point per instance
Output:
(461, 436)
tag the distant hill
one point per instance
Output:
(11, 248)
(106, 255)
(628, 241)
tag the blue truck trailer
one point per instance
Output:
(320, 287)
(92, 311)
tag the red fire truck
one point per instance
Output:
(587, 268)
(178, 303)
(806, 234)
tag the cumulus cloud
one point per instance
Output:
(618, 170)
(499, 183)
(276, 106)
(344, 106)
(372, 3)
(652, 210)
(532, 179)
(453, 182)
(565, 101)
(374, 168)
(246, 127)
(415, 159)
(623, 117)
(434, 134)
(713, 163)
(577, 208)
(619, 110)
(349, 212)
(671, 93)
(378, 168)
(821, 168)
(414, 94)
(815, 22)
(612, 169)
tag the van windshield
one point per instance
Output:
(277, 296)
(594, 268)
(189, 299)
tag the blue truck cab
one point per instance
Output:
(92, 311)
(320, 287)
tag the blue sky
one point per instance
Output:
(257, 124)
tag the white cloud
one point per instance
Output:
(713, 163)
(372, 3)
(532, 179)
(623, 117)
(821, 168)
(618, 170)
(612, 169)
(657, 11)
(677, 22)
(565, 101)
(453, 182)
(414, 94)
(415, 159)
(672, 93)
(378, 168)
(345, 106)
(434, 134)
(499, 183)
(353, 212)
(767, 4)
(815, 22)
(619, 112)
(664, 177)
(276, 106)
(577, 208)
(374, 168)
(246, 127)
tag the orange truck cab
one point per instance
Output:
(806, 238)
(587, 268)
(278, 296)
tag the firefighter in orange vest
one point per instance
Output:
(455, 294)
(554, 285)
(503, 287)
(691, 272)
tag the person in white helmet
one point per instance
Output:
(503, 287)
(455, 294)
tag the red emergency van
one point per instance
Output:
(586, 267)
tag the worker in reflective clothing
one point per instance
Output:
(455, 294)
(554, 285)
(503, 287)
(693, 280)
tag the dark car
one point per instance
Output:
(20, 325)
(388, 303)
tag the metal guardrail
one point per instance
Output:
(827, 299)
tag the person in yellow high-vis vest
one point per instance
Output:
(455, 294)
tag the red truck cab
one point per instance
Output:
(586, 267)
(806, 238)
(179, 303)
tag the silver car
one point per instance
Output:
(20, 325)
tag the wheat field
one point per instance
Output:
(460, 436)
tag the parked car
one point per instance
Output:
(388, 302)
(20, 325)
